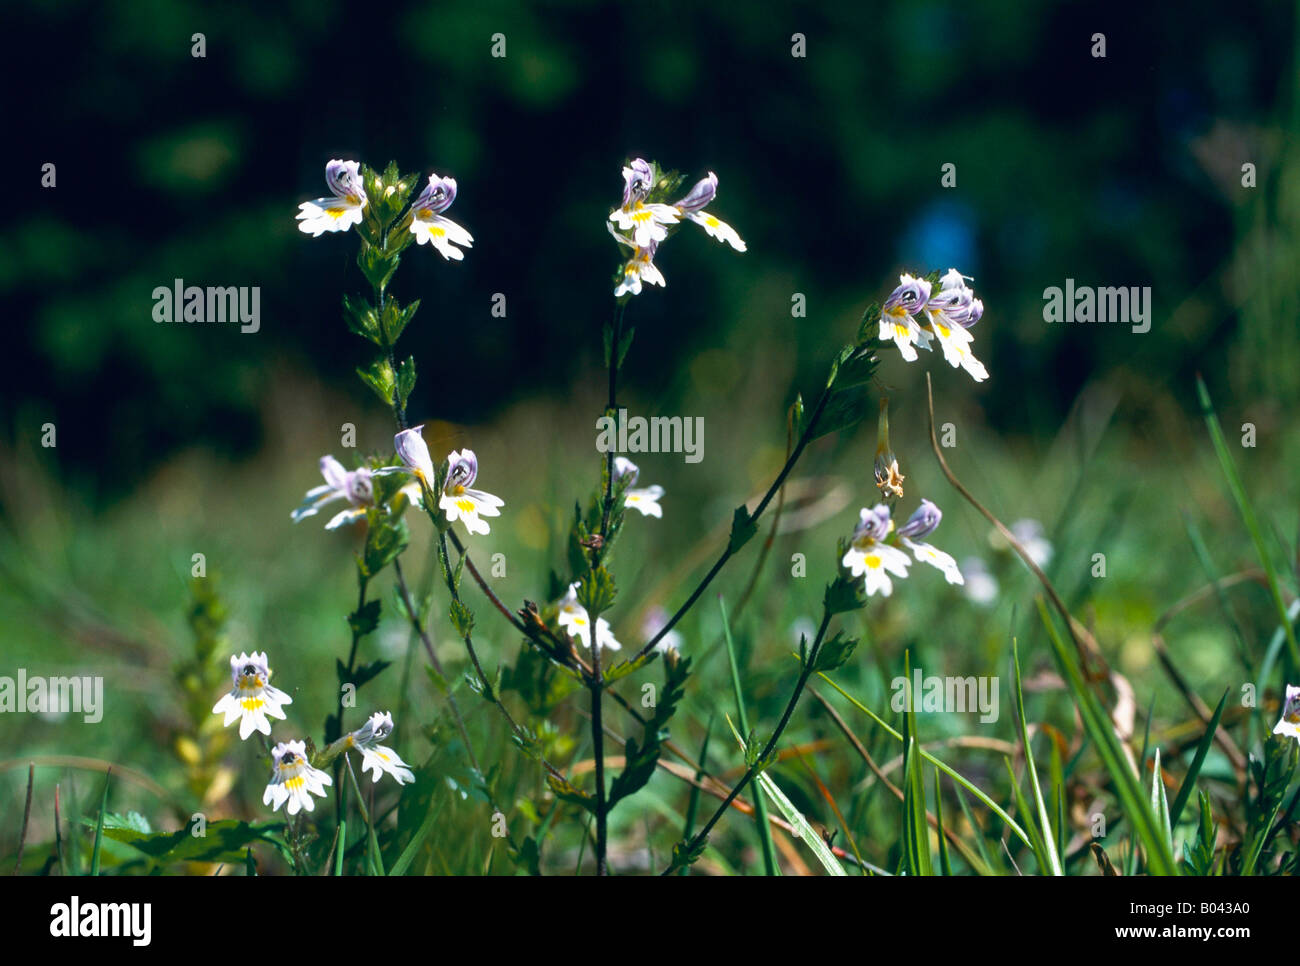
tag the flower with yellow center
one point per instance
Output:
(340, 212)
(252, 699)
(459, 501)
(375, 756)
(293, 779)
(922, 523)
(705, 190)
(870, 557)
(949, 314)
(573, 617)
(1289, 723)
(896, 322)
(429, 226)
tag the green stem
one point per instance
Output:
(805, 672)
(804, 440)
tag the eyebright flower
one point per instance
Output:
(646, 500)
(981, 586)
(343, 210)
(869, 555)
(654, 622)
(355, 487)
(1289, 723)
(692, 206)
(573, 617)
(428, 225)
(922, 523)
(373, 755)
(293, 779)
(648, 223)
(414, 453)
(462, 503)
(625, 469)
(896, 322)
(949, 313)
(252, 698)
(639, 268)
(1029, 533)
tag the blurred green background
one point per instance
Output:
(176, 439)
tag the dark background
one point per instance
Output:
(1121, 171)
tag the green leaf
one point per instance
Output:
(362, 319)
(834, 652)
(843, 595)
(405, 380)
(566, 791)
(380, 377)
(365, 620)
(596, 592)
(386, 538)
(462, 618)
(684, 856)
(1198, 759)
(1198, 855)
(845, 408)
(223, 841)
(743, 528)
(377, 266)
(361, 674)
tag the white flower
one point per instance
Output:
(896, 322)
(251, 699)
(981, 586)
(414, 453)
(922, 523)
(293, 779)
(624, 468)
(648, 223)
(465, 504)
(640, 268)
(692, 206)
(374, 755)
(646, 500)
(654, 622)
(948, 313)
(1289, 723)
(428, 224)
(343, 210)
(573, 617)
(355, 487)
(1029, 533)
(868, 555)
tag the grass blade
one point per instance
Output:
(1053, 861)
(1160, 859)
(99, 826)
(1202, 749)
(792, 815)
(760, 808)
(948, 770)
(1247, 511)
(413, 847)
